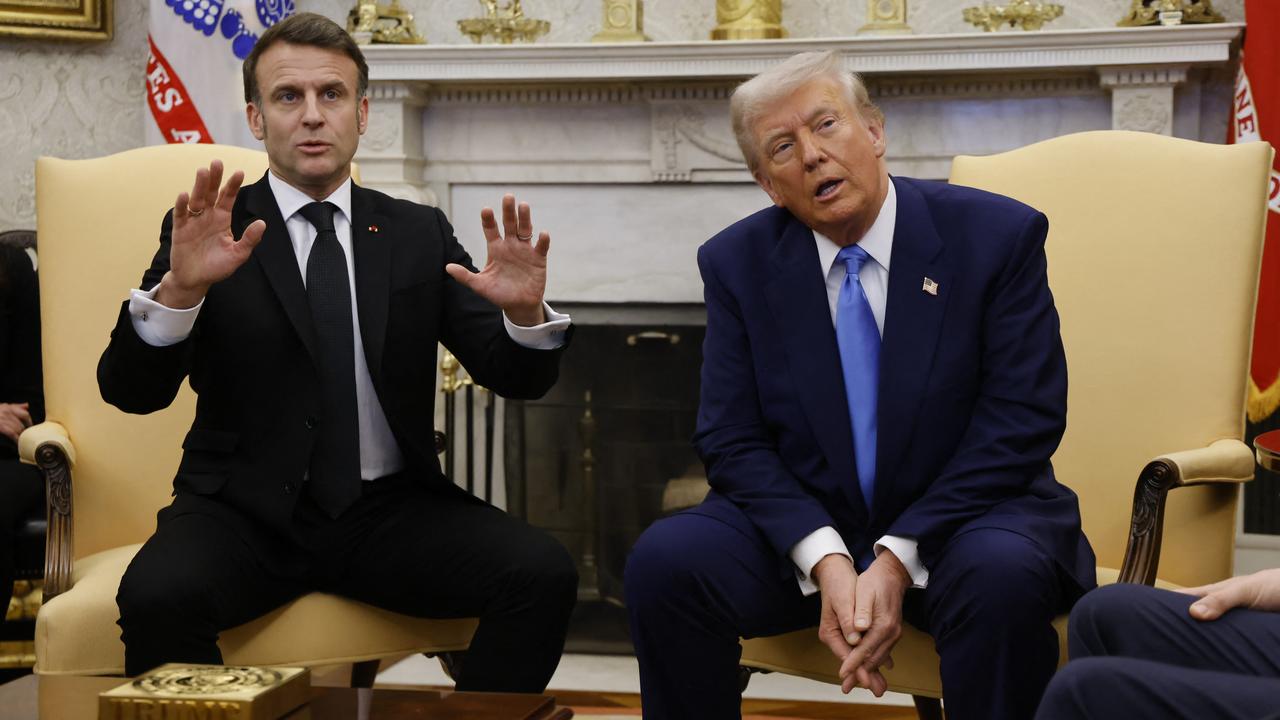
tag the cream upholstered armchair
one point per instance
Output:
(99, 222)
(1154, 247)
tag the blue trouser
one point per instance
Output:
(695, 584)
(1137, 653)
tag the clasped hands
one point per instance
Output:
(204, 251)
(861, 616)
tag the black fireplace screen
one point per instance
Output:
(589, 462)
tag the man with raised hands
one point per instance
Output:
(306, 312)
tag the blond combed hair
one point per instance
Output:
(754, 96)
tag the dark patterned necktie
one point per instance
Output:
(334, 479)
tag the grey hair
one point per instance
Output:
(753, 97)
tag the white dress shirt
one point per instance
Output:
(380, 455)
(874, 276)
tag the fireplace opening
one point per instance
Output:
(591, 461)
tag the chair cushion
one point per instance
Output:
(77, 633)
(915, 658)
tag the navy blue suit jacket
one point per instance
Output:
(972, 390)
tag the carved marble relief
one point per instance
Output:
(689, 137)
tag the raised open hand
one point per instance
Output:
(203, 251)
(514, 276)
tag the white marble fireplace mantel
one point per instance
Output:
(625, 150)
(999, 52)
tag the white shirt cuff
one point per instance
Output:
(816, 545)
(547, 336)
(907, 552)
(157, 325)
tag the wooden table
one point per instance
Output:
(76, 698)
(1267, 449)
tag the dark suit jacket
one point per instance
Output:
(972, 393)
(251, 355)
(21, 379)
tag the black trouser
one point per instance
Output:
(21, 490)
(424, 552)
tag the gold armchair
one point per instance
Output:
(1154, 247)
(98, 222)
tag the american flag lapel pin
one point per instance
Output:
(930, 286)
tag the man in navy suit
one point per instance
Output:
(883, 385)
(1142, 653)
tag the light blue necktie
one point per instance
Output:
(859, 342)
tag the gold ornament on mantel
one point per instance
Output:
(886, 17)
(373, 22)
(623, 22)
(748, 20)
(1170, 12)
(1024, 14)
(505, 24)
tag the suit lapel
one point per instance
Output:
(279, 263)
(912, 324)
(797, 296)
(371, 238)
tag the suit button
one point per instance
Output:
(311, 422)
(289, 487)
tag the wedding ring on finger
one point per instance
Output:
(524, 238)
(194, 213)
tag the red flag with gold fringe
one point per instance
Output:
(1256, 117)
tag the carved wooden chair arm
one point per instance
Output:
(1225, 461)
(48, 446)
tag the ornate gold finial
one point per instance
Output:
(449, 373)
(373, 22)
(748, 20)
(506, 24)
(1170, 12)
(886, 17)
(1024, 14)
(623, 22)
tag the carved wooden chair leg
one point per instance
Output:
(364, 673)
(927, 708)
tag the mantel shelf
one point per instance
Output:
(1187, 46)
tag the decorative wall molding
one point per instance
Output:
(908, 86)
(1057, 50)
(1142, 76)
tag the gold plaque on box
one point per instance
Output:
(208, 692)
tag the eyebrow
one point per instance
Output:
(295, 88)
(822, 110)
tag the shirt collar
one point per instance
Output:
(290, 199)
(878, 242)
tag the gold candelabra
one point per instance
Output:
(1170, 12)
(504, 23)
(372, 21)
(1023, 14)
(748, 20)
